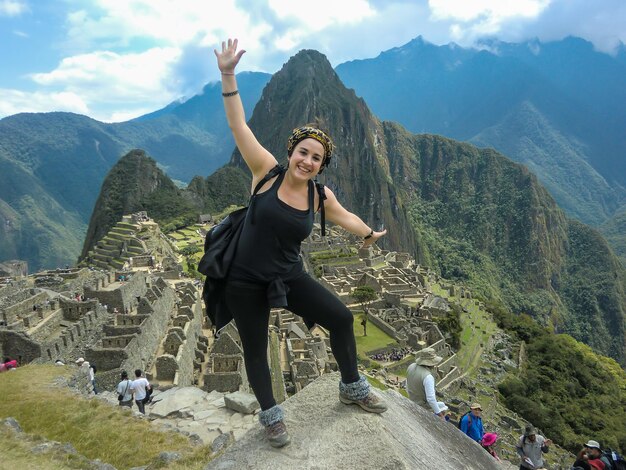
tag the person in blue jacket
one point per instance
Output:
(472, 423)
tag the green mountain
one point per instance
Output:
(134, 184)
(51, 162)
(472, 214)
(556, 107)
(614, 230)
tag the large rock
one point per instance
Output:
(325, 434)
(242, 402)
(170, 402)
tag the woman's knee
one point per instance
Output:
(343, 319)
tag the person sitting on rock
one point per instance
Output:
(420, 381)
(472, 423)
(531, 448)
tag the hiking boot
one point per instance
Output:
(360, 393)
(277, 434)
(273, 419)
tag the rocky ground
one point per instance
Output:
(207, 418)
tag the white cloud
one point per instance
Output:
(12, 7)
(477, 18)
(104, 75)
(463, 10)
(16, 101)
(21, 34)
(323, 14)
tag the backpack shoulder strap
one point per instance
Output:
(270, 174)
(322, 197)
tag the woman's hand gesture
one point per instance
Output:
(373, 239)
(228, 59)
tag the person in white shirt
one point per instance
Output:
(139, 387)
(124, 390)
(420, 381)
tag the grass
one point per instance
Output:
(96, 429)
(375, 339)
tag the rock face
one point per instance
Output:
(325, 434)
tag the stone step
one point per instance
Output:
(127, 225)
(117, 263)
(117, 236)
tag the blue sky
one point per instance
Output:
(117, 59)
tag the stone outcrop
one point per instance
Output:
(327, 434)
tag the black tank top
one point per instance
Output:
(269, 247)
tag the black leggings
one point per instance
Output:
(306, 298)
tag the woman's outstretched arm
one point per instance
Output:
(339, 215)
(258, 159)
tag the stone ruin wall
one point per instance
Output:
(187, 349)
(135, 351)
(124, 296)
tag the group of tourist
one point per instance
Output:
(139, 389)
(396, 354)
(420, 386)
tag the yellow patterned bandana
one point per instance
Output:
(307, 132)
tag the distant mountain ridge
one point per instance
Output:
(542, 104)
(471, 213)
(52, 163)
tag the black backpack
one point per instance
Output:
(617, 461)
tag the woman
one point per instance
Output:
(488, 443)
(267, 269)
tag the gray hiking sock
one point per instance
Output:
(271, 415)
(356, 390)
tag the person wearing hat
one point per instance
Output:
(420, 381)
(594, 456)
(531, 447)
(488, 443)
(472, 423)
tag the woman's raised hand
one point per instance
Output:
(228, 59)
(373, 239)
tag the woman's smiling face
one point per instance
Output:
(307, 158)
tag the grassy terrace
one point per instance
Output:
(469, 356)
(94, 428)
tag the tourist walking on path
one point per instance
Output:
(420, 381)
(472, 423)
(267, 268)
(531, 447)
(124, 391)
(139, 387)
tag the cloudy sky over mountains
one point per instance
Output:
(117, 59)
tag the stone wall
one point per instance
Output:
(132, 351)
(17, 345)
(124, 295)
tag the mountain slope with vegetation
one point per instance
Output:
(57, 159)
(134, 184)
(552, 106)
(565, 388)
(475, 216)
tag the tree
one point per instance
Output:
(364, 295)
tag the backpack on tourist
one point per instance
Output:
(469, 420)
(617, 461)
